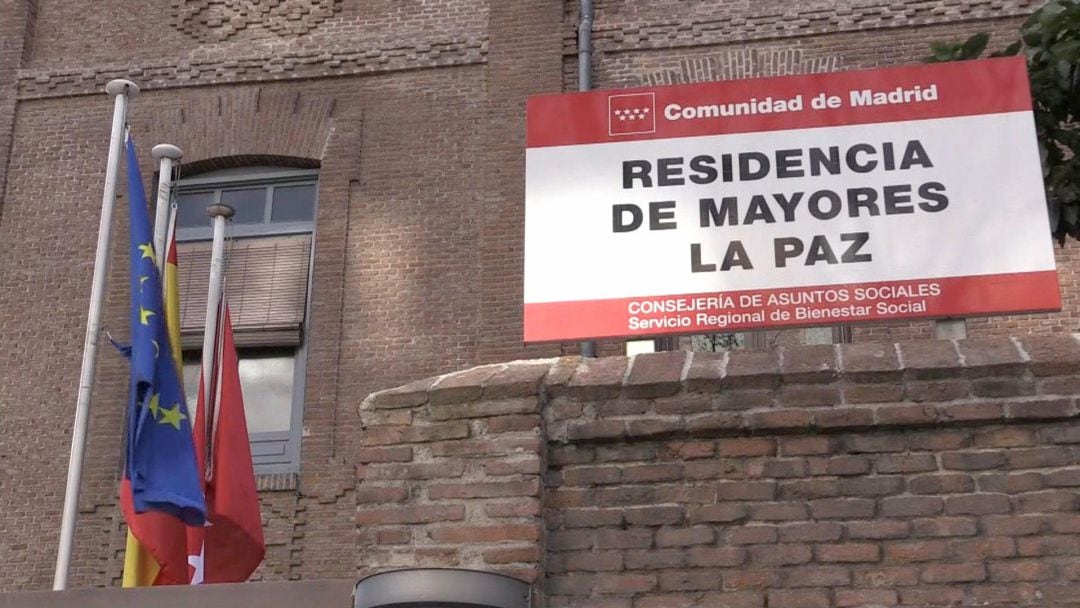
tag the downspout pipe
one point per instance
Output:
(584, 40)
(588, 349)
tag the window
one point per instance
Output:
(267, 376)
(268, 267)
(267, 200)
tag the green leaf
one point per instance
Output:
(974, 46)
(941, 48)
(1033, 36)
(1048, 13)
(1067, 49)
(1064, 72)
(1070, 214)
(1009, 51)
(1050, 44)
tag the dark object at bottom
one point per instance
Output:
(440, 588)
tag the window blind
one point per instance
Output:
(266, 282)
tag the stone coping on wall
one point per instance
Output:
(821, 388)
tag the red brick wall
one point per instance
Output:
(173, 36)
(16, 20)
(879, 474)
(414, 113)
(405, 196)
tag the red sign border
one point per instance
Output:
(971, 296)
(582, 118)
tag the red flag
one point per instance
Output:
(230, 547)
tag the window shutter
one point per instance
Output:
(266, 282)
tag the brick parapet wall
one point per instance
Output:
(201, 42)
(446, 480)
(625, 25)
(620, 27)
(41, 83)
(932, 473)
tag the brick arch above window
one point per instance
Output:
(254, 122)
(246, 162)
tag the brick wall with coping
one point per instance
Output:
(401, 238)
(875, 474)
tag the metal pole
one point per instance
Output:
(585, 46)
(122, 90)
(218, 214)
(588, 349)
(166, 155)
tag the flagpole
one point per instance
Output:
(122, 90)
(167, 156)
(218, 215)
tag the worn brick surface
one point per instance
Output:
(894, 513)
(873, 362)
(655, 374)
(810, 364)
(752, 369)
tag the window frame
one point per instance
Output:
(288, 460)
(263, 177)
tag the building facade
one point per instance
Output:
(375, 151)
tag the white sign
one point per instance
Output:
(808, 200)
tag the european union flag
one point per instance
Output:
(160, 464)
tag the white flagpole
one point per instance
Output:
(167, 155)
(122, 90)
(218, 215)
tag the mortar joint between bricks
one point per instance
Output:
(439, 380)
(724, 364)
(839, 354)
(629, 368)
(543, 391)
(1024, 356)
(589, 412)
(960, 358)
(686, 368)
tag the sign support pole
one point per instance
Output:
(588, 348)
